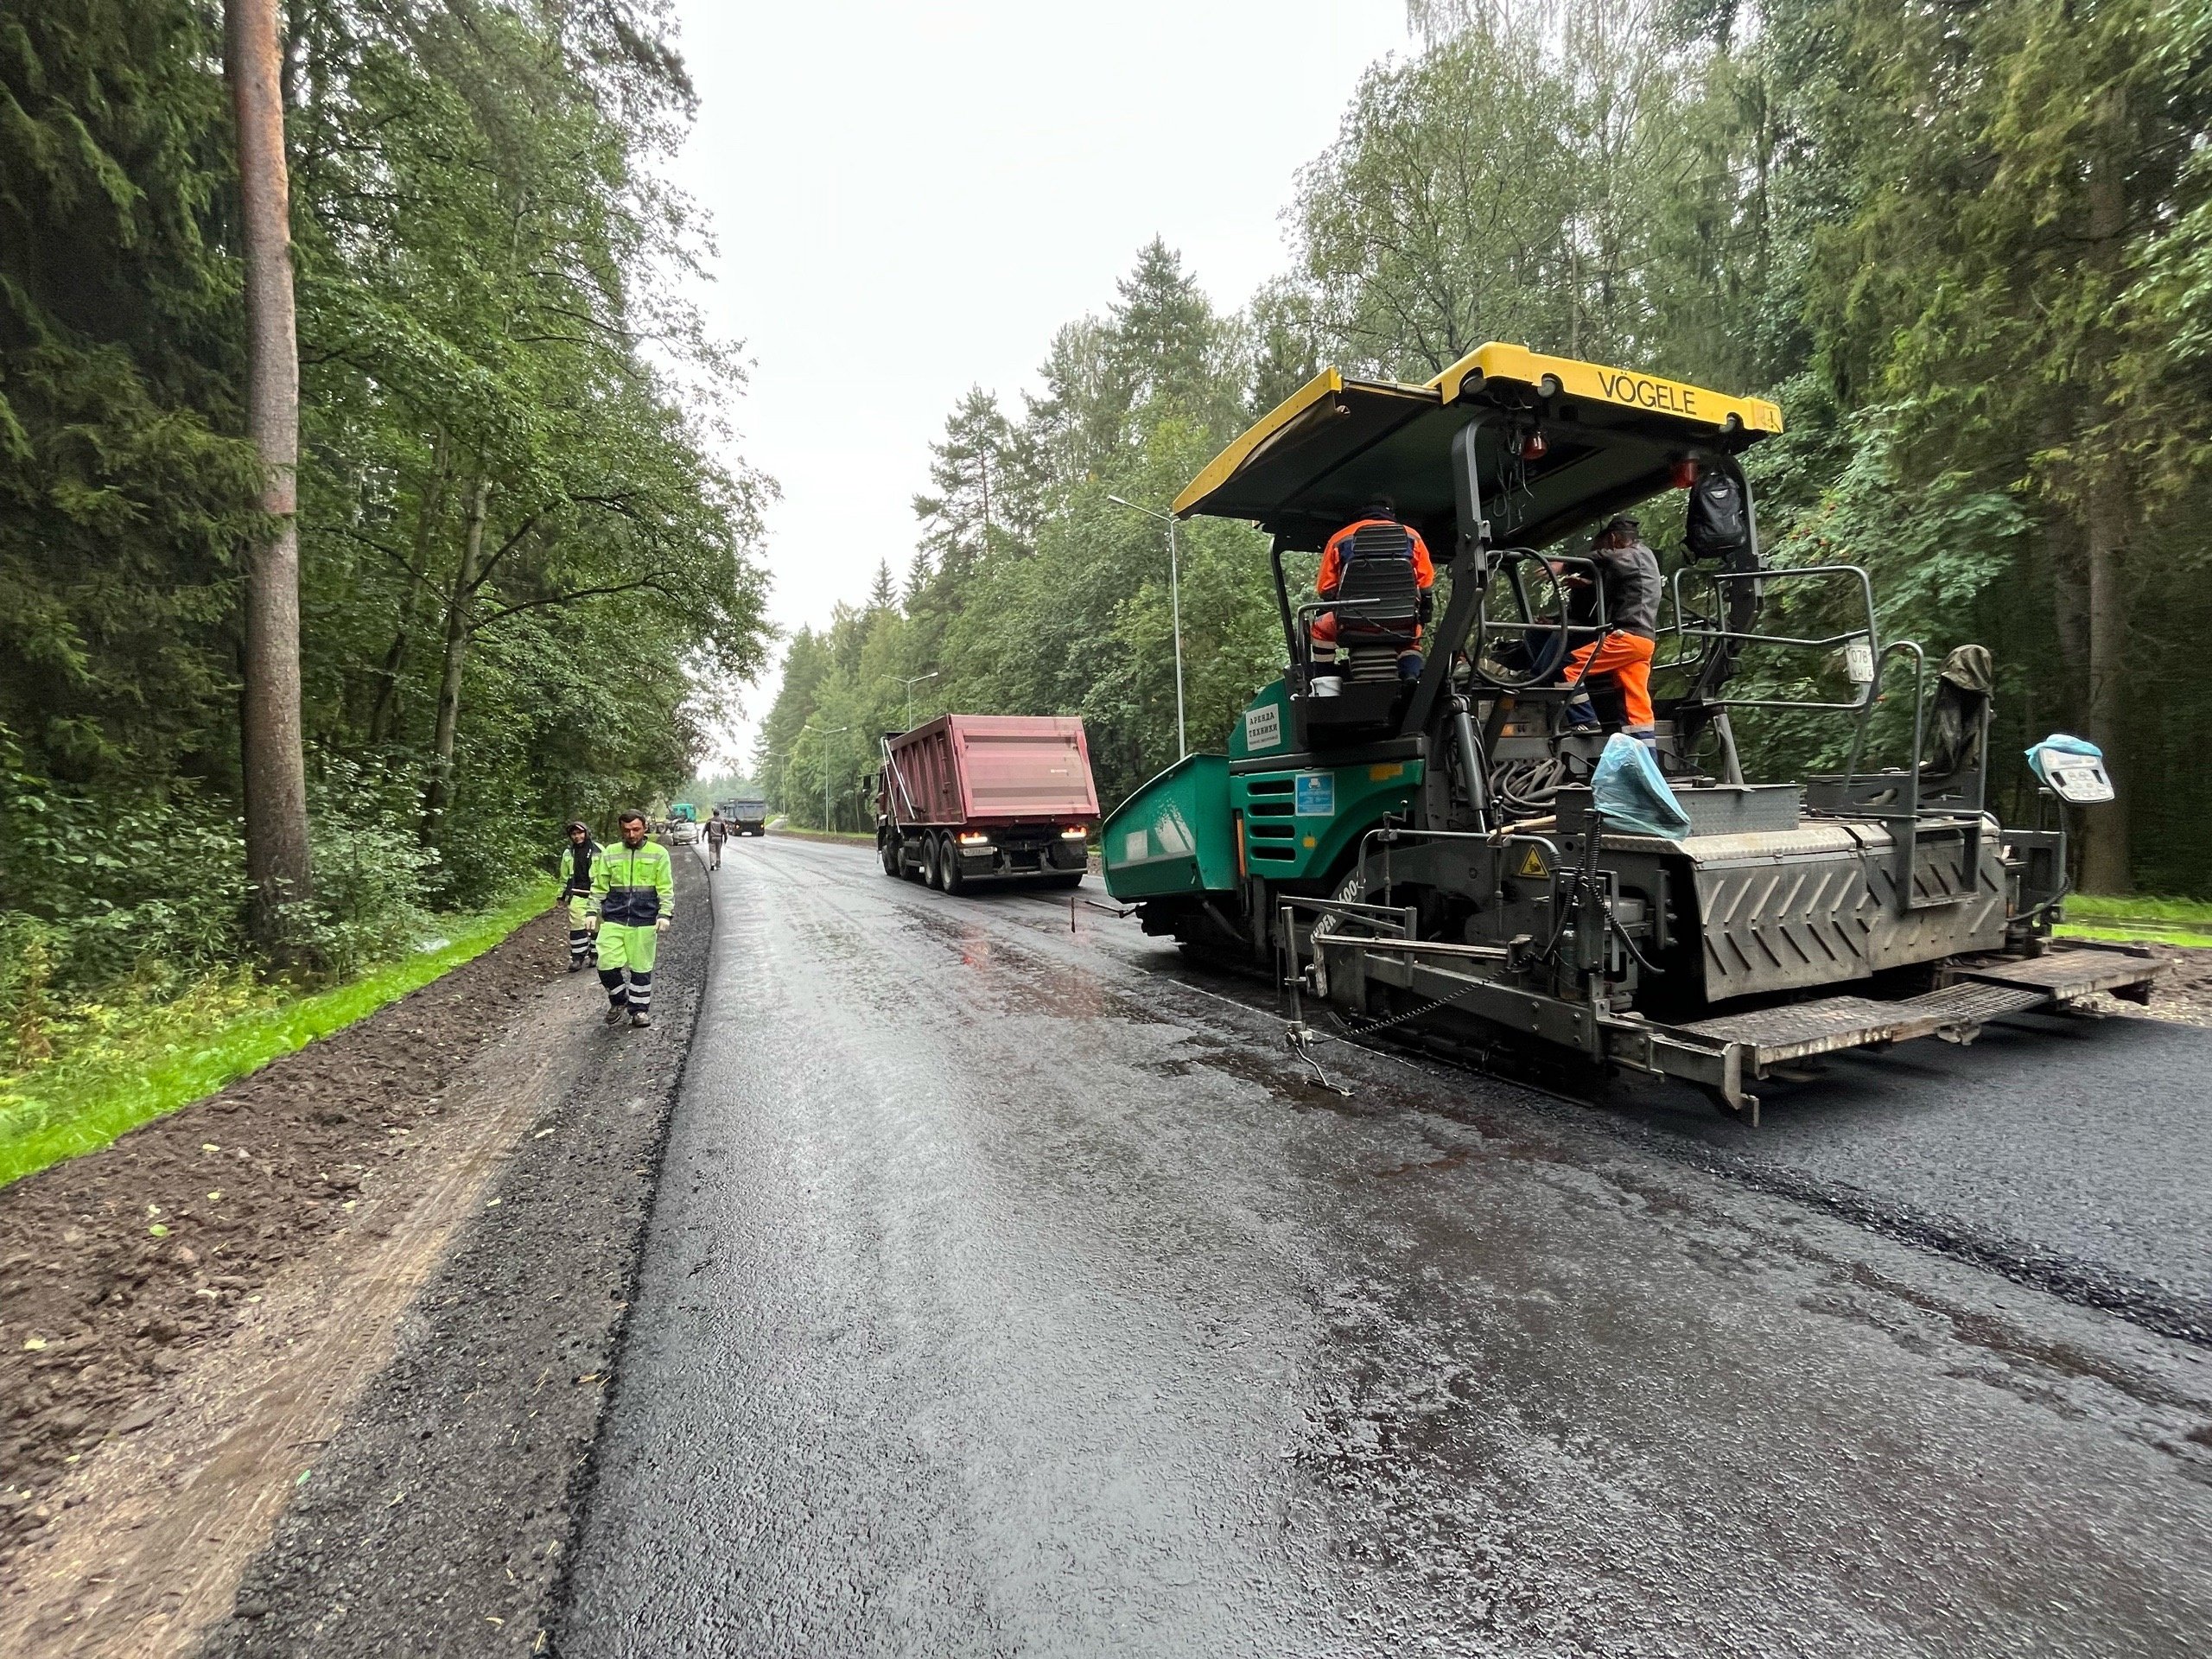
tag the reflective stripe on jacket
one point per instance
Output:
(634, 886)
(1332, 557)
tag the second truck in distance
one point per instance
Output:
(747, 815)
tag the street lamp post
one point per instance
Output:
(1175, 613)
(911, 683)
(825, 732)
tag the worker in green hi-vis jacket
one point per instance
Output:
(577, 858)
(633, 892)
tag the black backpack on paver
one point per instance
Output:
(1719, 526)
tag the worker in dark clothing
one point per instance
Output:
(717, 833)
(1407, 545)
(1633, 586)
(577, 858)
(634, 886)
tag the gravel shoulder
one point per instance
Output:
(438, 1519)
(390, 1266)
(2184, 994)
(121, 1268)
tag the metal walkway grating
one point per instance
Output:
(1799, 1029)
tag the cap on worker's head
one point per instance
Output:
(1381, 506)
(1622, 525)
(578, 827)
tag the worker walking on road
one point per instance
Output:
(634, 887)
(717, 833)
(577, 859)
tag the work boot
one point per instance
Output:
(1582, 716)
(615, 1012)
(577, 964)
(641, 1020)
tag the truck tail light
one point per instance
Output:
(1073, 835)
(975, 841)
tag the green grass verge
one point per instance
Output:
(187, 1052)
(2168, 921)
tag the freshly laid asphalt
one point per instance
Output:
(1010, 1289)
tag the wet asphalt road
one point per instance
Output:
(1010, 1291)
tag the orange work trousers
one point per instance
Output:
(1627, 658)
(1324, 631)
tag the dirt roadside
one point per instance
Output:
(167, 1395)
(2182, 994)
(118, 1268)
(439, 1517)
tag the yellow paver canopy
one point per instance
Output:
(1610, 438)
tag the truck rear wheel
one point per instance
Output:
(887, 852)
(933, 860)
(954, 881)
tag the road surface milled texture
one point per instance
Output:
(1011, 1291)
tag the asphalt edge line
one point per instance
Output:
(583, 1479)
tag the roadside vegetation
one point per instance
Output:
(1967, 249)
(84, 1073)
(2164, 921)
(523, 548)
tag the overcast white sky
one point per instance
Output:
(910, 198)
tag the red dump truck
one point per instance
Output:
(968, 797)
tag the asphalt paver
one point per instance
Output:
(1010, 1290)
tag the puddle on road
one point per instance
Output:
(1027, 982)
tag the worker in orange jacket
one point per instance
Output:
(1333, 558)
(1633, 587)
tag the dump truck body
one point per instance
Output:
(747, 815)
(972, 797)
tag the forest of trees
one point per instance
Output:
(519, 559)
(1967, 247)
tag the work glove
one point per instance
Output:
(592, 923)
(661, 926)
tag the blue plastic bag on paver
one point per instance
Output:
(2072, 769)
(2059, 744)
(1630, 793)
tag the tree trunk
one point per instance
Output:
(2105, 867)
(2070, 596)
(278, 859)
(2108, 506)
(437, 795)
(384, 718)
